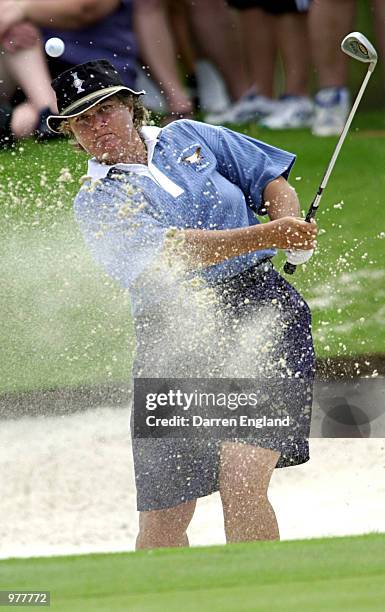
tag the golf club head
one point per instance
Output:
(360, 48)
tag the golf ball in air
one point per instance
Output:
(54, 47)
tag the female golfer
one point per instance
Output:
(204, 186)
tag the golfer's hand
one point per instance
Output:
(293, 233)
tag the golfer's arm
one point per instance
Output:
(209, 247)
(280, 199)
(67, 14)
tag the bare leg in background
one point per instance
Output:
(218, 38)
(292, 38)
(379, 28)
(329, 22)
(158, 50)
(26, 68)
(260, 49)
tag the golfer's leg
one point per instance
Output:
(244, 475)
(158, 528)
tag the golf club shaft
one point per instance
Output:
(291, 268)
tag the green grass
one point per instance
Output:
(318, 575)
(344, 283)
(65, 324)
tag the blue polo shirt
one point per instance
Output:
(198, 176)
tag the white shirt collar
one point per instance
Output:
(150, 133)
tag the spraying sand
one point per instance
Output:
(67, 482)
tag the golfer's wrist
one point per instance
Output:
(270, 234)
(262, 237)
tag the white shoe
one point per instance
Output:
(212, 92)
(291, 112)
(332, 107)
(250, 107)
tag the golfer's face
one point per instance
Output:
(105, 130)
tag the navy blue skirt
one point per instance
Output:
(172, 471)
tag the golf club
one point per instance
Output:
(357, 46)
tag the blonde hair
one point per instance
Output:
(140, 115)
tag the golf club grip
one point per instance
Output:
(290, 268)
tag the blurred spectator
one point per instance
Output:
(158, 50)
(185, 47)
(379, 28)
(330, 21)
(218, 39)
(95, 29)
(269, 26)
(190, 30)
(90, 29)
(22, 63)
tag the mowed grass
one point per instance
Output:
(322, 574)
(64, 323)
